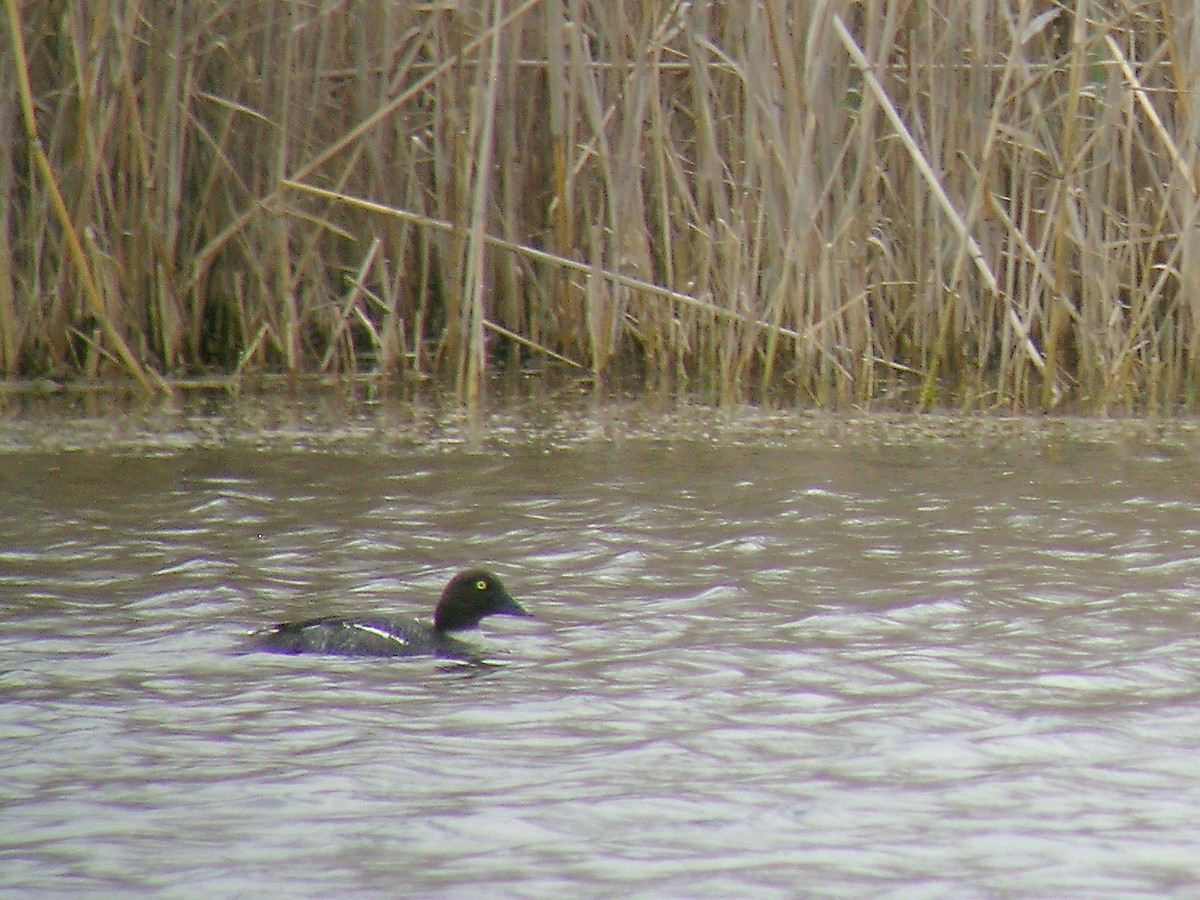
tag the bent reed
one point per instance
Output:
(974, 205)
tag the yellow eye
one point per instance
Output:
(481, 585)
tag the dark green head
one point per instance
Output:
(472, 596)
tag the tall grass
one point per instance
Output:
(974, 204)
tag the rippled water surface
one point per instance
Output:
(775, 654)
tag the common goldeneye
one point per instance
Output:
(470, 596)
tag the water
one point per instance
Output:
(776, 654)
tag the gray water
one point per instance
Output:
(775, 654)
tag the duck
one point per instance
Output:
(471, 596)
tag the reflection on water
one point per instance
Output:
(775, 654)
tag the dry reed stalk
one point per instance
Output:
(534, 253)
(471, 370)
(11, 325)
(146, 378)
(349, 305)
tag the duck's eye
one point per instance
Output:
(481, 584)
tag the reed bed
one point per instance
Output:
(966, 204)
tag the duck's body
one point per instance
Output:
(469, 597)
(362, 637)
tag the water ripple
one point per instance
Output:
(768, 659)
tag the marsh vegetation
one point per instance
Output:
(972, 205)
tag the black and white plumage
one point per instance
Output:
(470, 597)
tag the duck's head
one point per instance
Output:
(471, 596)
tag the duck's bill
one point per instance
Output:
(513, 608)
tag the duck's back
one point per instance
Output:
(360, 637)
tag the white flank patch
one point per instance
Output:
(400, 639)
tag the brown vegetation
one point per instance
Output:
(977, 204)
